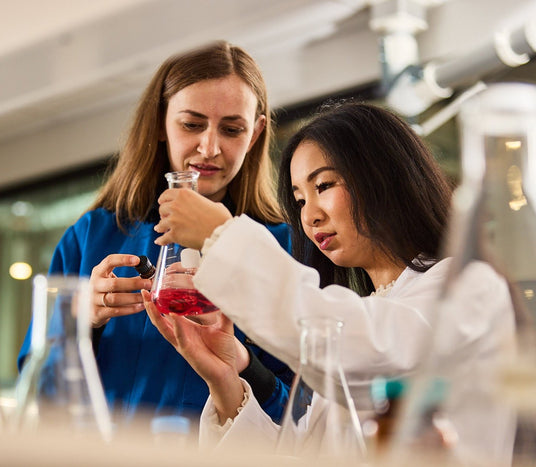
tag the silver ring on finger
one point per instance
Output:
(104, 304)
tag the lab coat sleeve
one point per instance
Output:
(252, 428)
(265, 292)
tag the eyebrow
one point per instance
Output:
(313, 174)
(193, 113)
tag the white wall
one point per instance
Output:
(66, 99)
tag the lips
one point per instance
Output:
(323, 239)
(205, 169)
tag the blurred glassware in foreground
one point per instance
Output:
(321, 426)
(59, 385)
(488, 377)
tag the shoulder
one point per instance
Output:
(88, 230)
(91, 223)
(476, 278)
(482, 278)
(436, 273)
(94, 225)
(97, 215)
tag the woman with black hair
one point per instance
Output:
(368, 206)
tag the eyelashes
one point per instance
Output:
(319, 187)
(199, 127)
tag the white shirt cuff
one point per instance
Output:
(215, 235)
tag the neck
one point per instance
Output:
(384, 276)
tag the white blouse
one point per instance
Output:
(265, 291)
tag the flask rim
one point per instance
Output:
(181, 175)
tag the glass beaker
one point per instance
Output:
(173, 290)
(321, 425)
(59, 386)
(492, 241)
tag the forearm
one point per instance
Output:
(251, 423)
(227, 395)
(284, 290)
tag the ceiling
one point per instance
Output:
(25, 22)
(86, 55)
(72, 70)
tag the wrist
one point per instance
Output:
(227, 397)
(243, 358)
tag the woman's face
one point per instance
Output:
(326, 208)
(209, 128)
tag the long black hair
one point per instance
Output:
(400, 195)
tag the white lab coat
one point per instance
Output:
(265, 291)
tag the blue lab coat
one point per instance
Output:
(139, 369)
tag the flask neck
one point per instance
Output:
(182, 179)
(320, 342)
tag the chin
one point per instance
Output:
(337, 261)
(211, 194)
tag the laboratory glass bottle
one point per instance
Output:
(321, 425)
(173, 290)
(145, 268)
(484, 360)
(59, 386)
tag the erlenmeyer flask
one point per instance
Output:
(59, 386)
(486, 306)
(173, 290)
(322, 425)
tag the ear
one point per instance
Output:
(257, 130)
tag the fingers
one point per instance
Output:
(115, 296)
(119, 285)
(108, 303)
(226, 322)
(171, 194)
(117, 289)
(111, 305)
(170, 326)
(165, 239)
(107, 265)
(208, 319)
(118, 300)
(161, 323)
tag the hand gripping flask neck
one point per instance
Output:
(173, 290)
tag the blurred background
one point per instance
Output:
(72, 70)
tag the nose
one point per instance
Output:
(209, 145)
(312, 214)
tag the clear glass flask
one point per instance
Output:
(59, 386)
(173, 290)
(321, 426)
(484, 358)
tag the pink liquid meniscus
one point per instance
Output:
(183, 302)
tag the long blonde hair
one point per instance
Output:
(134, 184)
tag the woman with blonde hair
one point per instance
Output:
(204, 111)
